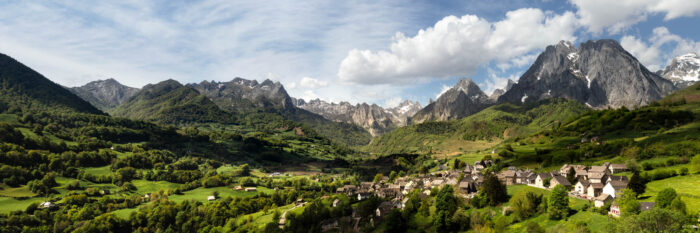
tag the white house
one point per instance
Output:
(46, 205)
(614, 187)
(539, 181)
(594, 189)
(211, 198)
(602, 200)
(582, 186)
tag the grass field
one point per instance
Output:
(146, 186)
(98, 171)
(201, 194)
(687, 186)
(10, 204)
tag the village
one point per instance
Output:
(597, 184)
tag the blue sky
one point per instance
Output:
(358, 51)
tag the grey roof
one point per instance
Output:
(562, 180)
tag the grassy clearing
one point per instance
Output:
(201, 194)
(146, 186)
(21, 191)
(687, 186)
(125, 213)
(98, 171)
(10, 204)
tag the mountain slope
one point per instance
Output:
(599, 73)
(683, 71)
(464, 99)
(23, 88)
(172, 103)
(245, 97)
(104, 94)
(492, 124)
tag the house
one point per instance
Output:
(507, 177)
(384, 209)
(564, 170)
(211, 198)
(614, 187)
(437, 183)
(363, 195)
(614, 210)
(105, 192)
(541, 179)
(602, 200)
(389, 192)
(239, 188)
(597, 177)
(521, 177)
(617, 178)
(596, 169)
(336, 202)
(47, 205)
(582, 186)
(532, 178)
(468, 169)
(299, 201)
(559, 180)
(512, 168)
(618, 167)
(147, 196)
(467, 186)
(594, 189)
(251, 189)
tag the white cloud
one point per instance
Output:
(457, 46)
(392, 102)
(496, 82)
(309, 95)
(615, 16)
(654, 54)
(312, 83)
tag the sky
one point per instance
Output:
(378, 51)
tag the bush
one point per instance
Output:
(684, 171)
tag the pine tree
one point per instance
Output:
(494, 190)
(637, 183)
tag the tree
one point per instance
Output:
(533, 227)
(392, 176)
(445, 207)
(637, 183)
(678, 205)
(526, 204)
(628, 203)
(245, 170)
(695, 164)
(395, 222)
(665, 197)
(655, 220)
(558, 203)
(571, 175)
(378, 177)
(494, 191)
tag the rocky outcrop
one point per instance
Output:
(464, 99)
(240, 95)
(683, 71)
(598, 73)
(374, 118)
(104, 94)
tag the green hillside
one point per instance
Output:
(23, 88)
(492, 124)
(170, 102)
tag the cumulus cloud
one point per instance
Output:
(496, 82)
(312, 83)
(653, 53)
(616, 16)
(457, 46)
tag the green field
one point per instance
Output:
(146, 186)
(201, 194)
(10, 204)
(687, 186)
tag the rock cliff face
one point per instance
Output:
(240, 95)
(464, 99)
(104, 94)
(374, 118)
(598, 73)
(683, 71)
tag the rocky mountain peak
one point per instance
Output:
(463, 99)
(598, 73)
(683, 71)
(104, 94)
(228, 95)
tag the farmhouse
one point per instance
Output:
(602, 200)
(614, 187)
(251, 189)
(211, 198)
(559, 180)
(594, 189)
(541, 178)
(565, 169)
(618, 167)
(582, 186)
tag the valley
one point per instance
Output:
(245, 156)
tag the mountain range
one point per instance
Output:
(375, 119)
(599, 74)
